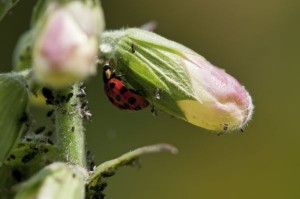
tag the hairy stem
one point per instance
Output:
(69, 135)
(128, 159)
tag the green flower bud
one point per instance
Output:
(13, 108)
(58, 180)
(177, 80)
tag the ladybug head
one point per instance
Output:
(107, 74)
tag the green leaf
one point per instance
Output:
(5, 6)
(23, 162)
(13, 111)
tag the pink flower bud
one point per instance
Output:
(222, 102)
(177, 80)
(66, 46)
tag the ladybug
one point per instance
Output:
(119, 95)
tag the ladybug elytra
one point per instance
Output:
(120, 95)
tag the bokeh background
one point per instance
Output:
(257, 42)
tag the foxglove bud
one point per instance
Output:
(58, 180)
(177, 80)
(65, 47)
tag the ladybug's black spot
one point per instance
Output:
(123, 90)
(111, 99)
(131, 100)
(118, 98)
(112, 85)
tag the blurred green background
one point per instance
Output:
(255, 41)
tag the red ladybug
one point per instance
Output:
(119, 95)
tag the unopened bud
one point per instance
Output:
(177, 80)
(58, 180)
(65, 48)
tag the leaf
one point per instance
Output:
(23, 162)
(13, 111)
(5, 6)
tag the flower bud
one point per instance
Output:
(58, 180)
(177, 80)
(66, 43)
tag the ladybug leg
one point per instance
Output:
(154, 111)
(120, 76)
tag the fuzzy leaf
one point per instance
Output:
(13, 108)
(23, 162)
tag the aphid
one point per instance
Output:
(25, 119)
(108, 173)
(12, 156)
(157, 94)
(72, 129)
(49, 113)
(225, 127)
(133, 48)
(50, 141)
(49, 133)
(119, 95)
(40, 130)
(99, 187)
(154, 111)
(29, 157)
(48, 94)
(17, 175)
(69, 96)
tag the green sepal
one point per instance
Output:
(38, 11)
(22, 56)
(155, 68)
(13, 111)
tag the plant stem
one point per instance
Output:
(69, 130)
